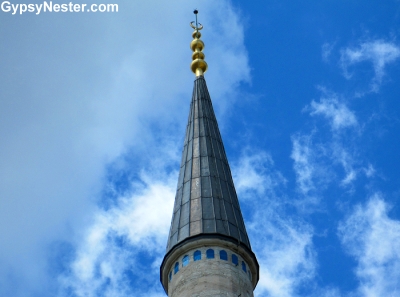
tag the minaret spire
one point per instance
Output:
(198, 65)
(208, 249)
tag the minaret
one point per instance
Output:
(208, 250)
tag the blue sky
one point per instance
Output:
(93, 108)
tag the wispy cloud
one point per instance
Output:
(373, 239)
(108, 261)
(315, 165)
(252, 173)
(335, 111)
(311, 175)
(316, 158)
(327, 50)
(369, 170)
(302, 155)
(285, 252)
(283, 245)
(379, 52)
(342, 155)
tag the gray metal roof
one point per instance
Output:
(206, 200)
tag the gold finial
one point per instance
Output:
(198, 65)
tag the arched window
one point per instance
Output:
(210, 254)
(235, 259)
(176, 267)
(244, 267)
(197, 255)
(185, 261)
(170, 276)
(223, 255)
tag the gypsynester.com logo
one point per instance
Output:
(49, 6)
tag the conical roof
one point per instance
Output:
(206, 202)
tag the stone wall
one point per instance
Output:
(210, 277)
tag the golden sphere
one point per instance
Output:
(198, 63)
(198, 55)
(197, 44)
(196, 34)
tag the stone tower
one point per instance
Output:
(208, 250)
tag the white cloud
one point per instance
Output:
(379, 52)
(369, 171)
(111, 246)
(342, 156)
(314, 159)
(327, 51)
(283, 245)
(285, 252)
(373, 239)
(316, 166)
(252, 173)
(337, 113)
(306, 167)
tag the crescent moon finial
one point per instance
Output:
(196, 28)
